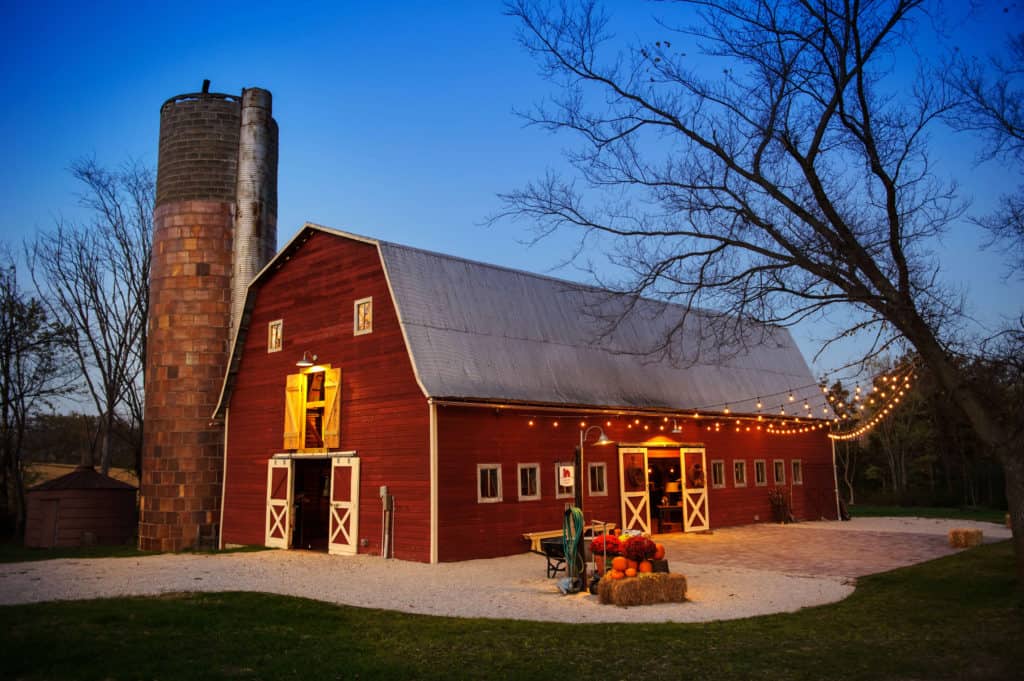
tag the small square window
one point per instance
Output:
(739, 473)
(717, 474)
(529, 481)
(798, 472)
(275, 335)
(598, 476)
(780, 471)
(760, 473)
(362, 321)
(564, 480)
(488, 482)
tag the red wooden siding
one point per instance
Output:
(384, 415)
(471, 436)
(67, 517)
(468, 436)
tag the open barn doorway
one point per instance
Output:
(311, 499)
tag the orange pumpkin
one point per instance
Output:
(631, 563)
(646, 566)
(631, 572)
(619, 563)
(659, 551)
(616, 574)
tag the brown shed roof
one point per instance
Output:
(83, 477)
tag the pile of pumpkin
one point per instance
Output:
(629, 557)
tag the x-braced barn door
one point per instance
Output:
(279, 503)
(636, 506)
(695, 490)
(344, 520)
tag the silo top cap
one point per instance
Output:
(201, 95)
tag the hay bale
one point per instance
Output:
(962, 538)
(645, 589)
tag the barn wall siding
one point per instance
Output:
(468, 436)
(384, 415)
(109, 517)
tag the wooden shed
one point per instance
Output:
(80, 508)
(387, 400)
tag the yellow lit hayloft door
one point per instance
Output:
(636, 506)
(695, 490)
(279, 503)
(343, 534)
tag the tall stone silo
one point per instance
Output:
(214, 227)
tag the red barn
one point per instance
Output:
(385, 399)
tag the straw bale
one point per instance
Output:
(962, 538)
(644, 589)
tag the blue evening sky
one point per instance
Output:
(396, 118)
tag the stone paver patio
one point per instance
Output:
(820, 548)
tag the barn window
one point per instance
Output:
(362, 320)
(717, 473)
(529, 481)
(275, 335)
(798, 472)
(760, 473)
(488, 482)
(780, 471)
(739, 473)
(564, 481)
(598, 476)
(312, 414)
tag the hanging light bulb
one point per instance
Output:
(792, 398)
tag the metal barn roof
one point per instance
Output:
(479, 331)
(487, 333)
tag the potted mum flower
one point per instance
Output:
(605, 547)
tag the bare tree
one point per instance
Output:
(34, 370)
(96, 276)
(992, 105)
(780, 177)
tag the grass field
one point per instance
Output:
(990, 515)
(953, 618)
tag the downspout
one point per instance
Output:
(223, 482)
(433, 481)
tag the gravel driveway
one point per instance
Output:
(797, 566)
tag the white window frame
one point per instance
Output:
(778, 464)
(356, 331)
(739, 465)
(279, 324)
(720, 465)
(519, 481)
(796, 468)
(480, 468)
(591, 467)
(559, 494)
(762, 482)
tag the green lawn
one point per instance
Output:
(953, 618)
(990, 515)
(11, 552)
(16, 553)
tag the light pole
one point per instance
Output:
(578, 463)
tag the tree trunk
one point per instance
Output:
(108, 426)
(1013, 468)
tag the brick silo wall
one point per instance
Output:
(189, 321)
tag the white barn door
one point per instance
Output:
(695, 490)
(279, 503)
(343, 534)
(636, 504)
